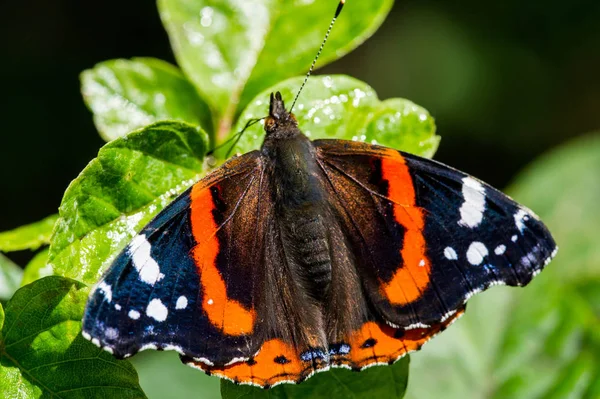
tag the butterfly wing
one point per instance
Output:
(208, 278)
(293, 347)
(427, 237)
(182, 283)
(376, 342)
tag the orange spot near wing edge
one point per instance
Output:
(386, 346)
(276, 362)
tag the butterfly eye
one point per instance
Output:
(270, 124)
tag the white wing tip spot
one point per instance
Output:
(136, 242)
(521, 216)
(106, 290)
(181, 303)
(471, 210)
(157, 310)
(117, 306)
(500, 249)
(111, 333)
(450, 253)
(476, 253)
(514, 238)
(134, 314)
(148, 269)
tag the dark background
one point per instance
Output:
(505, 80)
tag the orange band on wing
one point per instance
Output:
(409, 281)
(379, 343)
(224, 313)
(275, 362)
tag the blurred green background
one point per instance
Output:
(505, 80)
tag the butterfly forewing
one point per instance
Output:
(185, 282)
(427, 236)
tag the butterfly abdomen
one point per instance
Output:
(312, 253)
(300, 200)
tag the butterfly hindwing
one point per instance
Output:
(427, 236)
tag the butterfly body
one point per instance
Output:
(300, 201)
(310, 254)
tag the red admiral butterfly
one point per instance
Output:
(307, 255)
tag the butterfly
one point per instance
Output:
(306, 255)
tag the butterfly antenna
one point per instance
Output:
(337, 14)
(235, 138)
(238, 136)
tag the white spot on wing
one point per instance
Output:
(236, 360)
(111, 333)
(210, 302)
(476, 253)
(422, 262)
(203, 360)
(106, 290)
(117, 306)
(514, 238)
(157, 310)
(175, 348)
(471, 211)
(134, 314)
(520, 217)
(181, 303)
(139, 250)
(450, 253)
(500, 249)
(448, 315)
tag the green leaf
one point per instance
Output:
(541, 341)
(401, 124)
(342, 107)
(222, 44)
(125, 95)
(10, 277)
(162, 375)
(37, 268)
(42, 352)
(375, 382)
(216, 43)
(297, 34)
(130, 181)
(31, 236)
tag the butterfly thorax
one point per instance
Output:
(301, 208)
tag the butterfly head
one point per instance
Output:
(279, 118)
